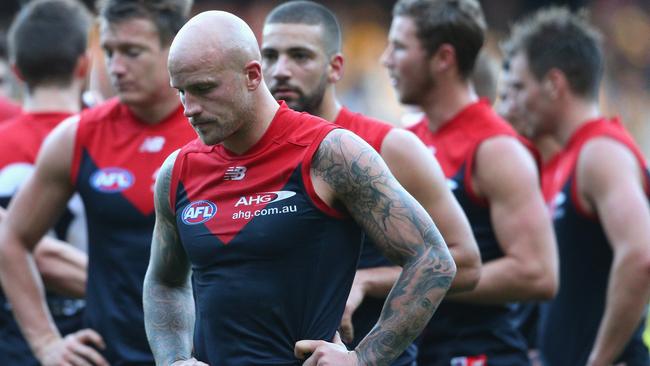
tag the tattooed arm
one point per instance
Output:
(167, 297)
(346, 170)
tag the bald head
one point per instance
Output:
(217, 37)
(214, 63)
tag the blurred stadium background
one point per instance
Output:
(365, 87)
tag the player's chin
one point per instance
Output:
(208, 139)
(131, 97)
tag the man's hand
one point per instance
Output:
(323, 353)
(191, 362)
(74, 350)
(355, 298)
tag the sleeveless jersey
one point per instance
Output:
(21, 138)
(365, 317)
(116, 160)
(463, 329)
(570, 321)
(272, 264)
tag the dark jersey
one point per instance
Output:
(116, 160)
(570, 322)
(461, 332)
(365, 317)
(20, 140)
(272, 264)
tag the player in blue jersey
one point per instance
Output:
(110, 155)
(215, 65)
(597, 187)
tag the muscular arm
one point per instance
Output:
(167, 298)
(610, 179)
(506, 175)
(62, 267)
(353, 173)
(420, 174)
(31, 213)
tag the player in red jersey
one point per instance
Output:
(110, 154)
(215, 65)
(52, 94)
(597, 187)
(432, 48)
(302, 63)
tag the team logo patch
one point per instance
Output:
(112, 180)
(198, 212)
(235, 173)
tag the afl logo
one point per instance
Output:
(112, 180)
(198, 212)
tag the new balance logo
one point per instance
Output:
(235, 173)
(152, 144)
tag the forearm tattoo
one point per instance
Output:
(404, 232)
(168, 301)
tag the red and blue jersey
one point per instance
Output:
(570, 322)
(365, 317)
(272, 264)
(463, 329)
(372, 131)
(115, 163)
(20, 140)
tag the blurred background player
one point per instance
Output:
(597, 186)
(302, 63)
(47, 46)
(110, 154)
(509, 108)
(432, 49)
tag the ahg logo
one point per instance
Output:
(235, 173)
(264, 198)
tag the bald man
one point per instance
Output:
(265, 208)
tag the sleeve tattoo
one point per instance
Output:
(404, 232)
(168, 302)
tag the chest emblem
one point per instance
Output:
(112, 180)
(235, 173)
(198, 212)
(152, 144)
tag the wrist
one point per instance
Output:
(361, 281)
(41, 344)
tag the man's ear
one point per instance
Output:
(253, 71)
(335, 68)
(443, 59)
(82, 67)
(555, 84)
